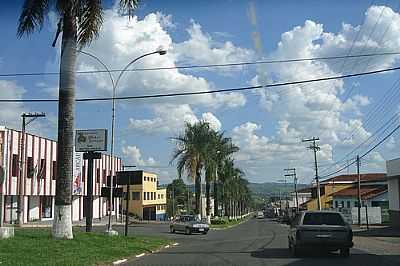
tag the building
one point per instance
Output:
(335, 184)
(393, 171)
(147, 201)
(303, 196)
(39, 178)
(371, 196)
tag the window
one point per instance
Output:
(54, 170)
(98, 175)
(148, 195)
(104, 176)
(356, 204)
(162, 196)
(342, 204)
(135, 195)
(29, 168)
(158, 196)
(348, 204)
(154, 196)
(14, 168)
(42, 173)
(83, 173)
(144, 196)
(323, 218)
(336, 204)
(46, 207)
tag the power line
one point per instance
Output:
(205, 66)
(207, 92)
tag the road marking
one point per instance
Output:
(119, 261)
(140, 255)
(167, 246)
(175, 244)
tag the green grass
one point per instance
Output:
(229, 224)
(36, 247)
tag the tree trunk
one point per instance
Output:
(208, 198)
(62, 224)
(216, 200)
(197, 185)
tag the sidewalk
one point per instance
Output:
(96, 222)
(379, 240)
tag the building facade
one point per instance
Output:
(147, 201)
(393, 171)
(38, 180)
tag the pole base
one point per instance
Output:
(6, 232)
(111, 232)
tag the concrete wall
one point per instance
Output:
(374, 215)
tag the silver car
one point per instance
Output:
(188, 224)
(320, 229)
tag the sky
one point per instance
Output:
(349, 115)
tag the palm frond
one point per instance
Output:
(128, 6)
(90, 19)
(32, 16)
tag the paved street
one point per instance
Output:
(257, 242)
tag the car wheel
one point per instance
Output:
(171, 229)
(345, 252)
(188, 231)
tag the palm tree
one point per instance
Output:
(190, 153)
(219, 149)
(80, 23)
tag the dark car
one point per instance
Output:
(320, 229)
(189, 224)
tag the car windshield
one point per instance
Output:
(323, 219)
(191, 218)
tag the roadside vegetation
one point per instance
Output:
(37, 247)
(223, 223)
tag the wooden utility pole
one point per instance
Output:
(315, 148)
(358, 190)
(293, 174)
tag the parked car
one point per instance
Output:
(189, 224)
(320, 229)
(260, 215)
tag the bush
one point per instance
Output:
(218, 221)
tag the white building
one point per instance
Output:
(393, 175)
(303, 196)
(39, 180)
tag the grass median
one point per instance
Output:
(228, 224)
(36, 247)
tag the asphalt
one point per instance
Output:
(256, 242)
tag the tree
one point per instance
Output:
(80, 23)
(190, 153)
(177, 195)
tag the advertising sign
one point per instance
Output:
(77, 177)
(91, 140)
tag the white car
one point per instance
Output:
(260, 215)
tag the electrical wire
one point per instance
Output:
(210, 91)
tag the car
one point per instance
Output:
(260, 215)
(327, 230)
(189, 224)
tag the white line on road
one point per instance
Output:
(119, 261)
(140, 255)
(175, 244)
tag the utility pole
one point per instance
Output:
(358, 190)
(293, 174)
(21, 191)
(315, 148)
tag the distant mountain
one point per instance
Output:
(268, 189)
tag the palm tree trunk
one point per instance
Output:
(197, 184)
(208, 199)
(62, 224)
(216, 201)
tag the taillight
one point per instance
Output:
(298, 235)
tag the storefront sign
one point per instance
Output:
(91, 140)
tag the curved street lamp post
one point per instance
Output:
(114, 88)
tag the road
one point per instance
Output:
(256, 242)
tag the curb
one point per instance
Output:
(230, 226)
(122, 261)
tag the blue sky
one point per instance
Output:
(267, 125)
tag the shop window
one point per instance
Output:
(29, 167)
(14, 168)
(46, 207)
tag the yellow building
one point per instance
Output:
(329, 186)
(147, 201)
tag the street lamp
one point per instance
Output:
(114, 85)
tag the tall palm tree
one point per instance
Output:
(80, 23)
(190, 153)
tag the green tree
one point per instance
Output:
(80, 23)
(177, 195)
(191, 153)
